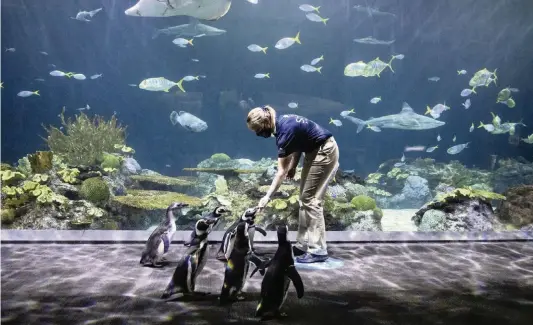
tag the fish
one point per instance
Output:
(39, 79)
(457, 148)
(96, 76)
(460, 72)
(403, 158)
(529, 139)
(182, 42)
(316, 18)
(160, 84)
(335, 122)
(79, 76)
(262, 75)
(193, 29)
(414, 148)
(466, 92)
(471, 128)
(57, 73)
(514, 90)
(10, 49)
(454, 138)
(467, 103)
(87, 107)
(85, 15)
(510, 103)
(132, 85)
(496, 120)
(434, 79)
(287, 42)
(257, 48)
(372, 41)
(43, 52)
(292, 105)
(373, 11)
(375, 100)
(253, 1)
(346, 113)
(310, 68)
(200, 9)
(191, 78)
(188, 121)
(437, 110)
(407, 119)
(483, 77)
(27, 93)
(373, 128)
(399, 56)
(195, 60)
(52, 65)
(487, 127)
(316, 60)
(308, 8)
(244, 105)
(168, 165)
(438, 137)
(355, 69)
(431, 149)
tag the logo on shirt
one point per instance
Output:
(297, 118)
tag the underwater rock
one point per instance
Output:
(354, 190)
(457, 214)
(162, 183)
(68, 190)
(130, 166)
(116, 183)
(343, 176)
(369, 220)
(415, 193)
(512, 173)
(517, 210)
(443, 189)
(145, 171)
(337, 192)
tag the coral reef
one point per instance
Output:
(363, 203)
(95, 190)
(517, 210)
(41, 161)
(226, 172)
(84, 139)
(220, 158)
(154, 200)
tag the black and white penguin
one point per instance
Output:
(237, 266)
(159, 241)
(217, 213)
(229, 236)
(280, 273)
(191, 265)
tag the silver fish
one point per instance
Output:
(188, 121)
(85, 15)
(434, 79)
(372, 41)
(467, 92)
(193, 29)
(457, 148)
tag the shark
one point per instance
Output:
(201, 9)
(193, 29)
(407, 119)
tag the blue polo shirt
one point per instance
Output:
(296, 133)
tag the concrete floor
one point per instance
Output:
(445, 283)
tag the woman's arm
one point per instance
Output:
(295, 160)
(283, 168)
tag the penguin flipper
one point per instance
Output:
(260, 267)
(293, 274)
(261, 231)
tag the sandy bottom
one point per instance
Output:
(398, 220)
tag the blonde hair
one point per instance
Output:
(261, 118)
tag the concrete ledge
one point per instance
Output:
(140, 236)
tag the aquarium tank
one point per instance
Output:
(112, 110)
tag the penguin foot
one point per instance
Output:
(240, 297)
(281, 314)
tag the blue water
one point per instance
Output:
(437, 37)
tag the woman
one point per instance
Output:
(296, 134)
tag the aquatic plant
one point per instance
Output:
(128, 151)
(8, 215)
(376, 191)
(8, 176)
(226, 172)
(154, 200)
(110, 161)
(12, 190)
(220, 158)
(363, 203)
(24, 166)
(373, 178)
(84, 139)
(40, 178)
(45, 195)
(68, 175)
(163, 180)
(469, 193)
(278, 204)
(5, 166)
(41, 161)
(28, 186)
(95, 190)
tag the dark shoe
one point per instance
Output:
(311, 258)
(297, 252)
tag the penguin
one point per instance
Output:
(159, 241)
(192, 263)
(237, 266)
(217, 213)
(229, 236)
(281, 271)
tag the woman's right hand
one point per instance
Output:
(291, 173)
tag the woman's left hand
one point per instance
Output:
(263, 202)
(291, 173)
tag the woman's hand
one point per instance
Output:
(291, 173)
(263, 202)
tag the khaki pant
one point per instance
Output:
(319, 168)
